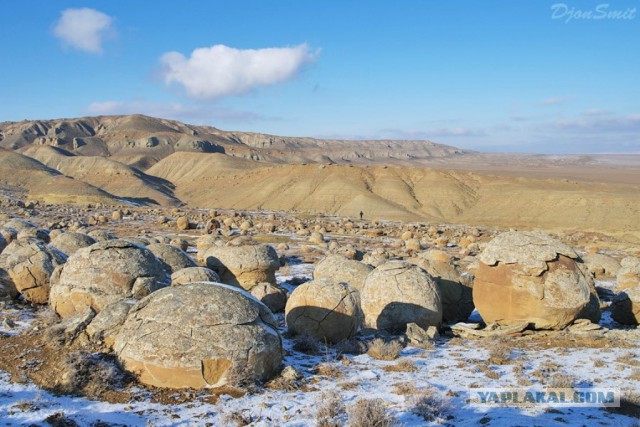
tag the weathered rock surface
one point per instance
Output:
(105, 273)
(530, 277)
(625, 307)
(193, 335)
(192, 275)
(175, 258)
(455, 286)
(397, 293)
(273, 296)
(601, 266)
(29, 264)
(324, 309)
(106, 324)
(70, 242)
(629, 273)
(244, 266)
(339, 268)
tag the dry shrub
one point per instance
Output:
(488, 372)
(381, 350)
(329, 369)
(238, 419)
(83, 373)
(330, 409)
(499, 355)
(59, 419)
(402, 365)
(404, 388)
(370, 413)
(629, 359)
(431, 407)
(308, 344)
(562, 381)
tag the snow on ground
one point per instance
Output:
(451, 368)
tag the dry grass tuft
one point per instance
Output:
(431, 407)
(370, 413)
(329, 369)
(499, 355)
(330, 408)
(83, 373)
(402, 365)
(404, 388)
(381, 350)
(238, 419)
(59, 419)
(562, 381)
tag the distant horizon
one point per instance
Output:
(480, 151)
(535, 77)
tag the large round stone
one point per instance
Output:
(325, 309)
(175, 258)
(530, 277)
(193, 336)
(192, 275)
(629, 273)
(244, 266)
(29, 263)
(625, 307)
(339, 268)
(69, 242)
(104, 273)
(397, 293)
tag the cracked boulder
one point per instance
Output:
(28, 265)
(455, 286)
(175, 258)
(339, 268)
(397, 293)
(199, 335)
(325, 309)
(192, 275)
(70, 242)
(530, 277)
(629, 273)
(26, 229)
(104, 273)
(244, 266)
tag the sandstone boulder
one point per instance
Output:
(455, 286)
(29, 264)
(195, 334)
(601, 266)
(192, 275)
(273, 296)
(101, 235)
(529, 277)
(625, 307)
(105, 325)
(70, 242)
(104, 273)
(397, 293)
(629, 273)
(244, 266)
(338, 268)
(175, 258)
(325, 309)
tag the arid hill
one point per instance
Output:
(151, 161)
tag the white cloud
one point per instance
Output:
(195, 114)
(557, 100)
(84, 29)
(219, 70)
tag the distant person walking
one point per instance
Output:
(361, 215)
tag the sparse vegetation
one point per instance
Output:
(402, 365)
(330, 409)
(370, 413)
(431, 407)
(89, 374)
(381, 350)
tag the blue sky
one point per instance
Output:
(523, 76)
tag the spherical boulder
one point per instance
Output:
(629, 274)
(455, 286)
(70, 242)
(196, 335)
(273, 296)
(325, 309)
(175, 258)
(601, 266)
(104, 273)
(29, 264)
(397, 293)
(192, 275)
(244, 266)
(530, 277)
(338, 268)
(101, 235)
(625, 307)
